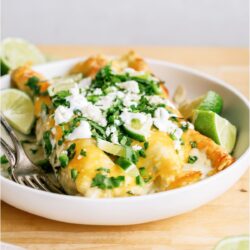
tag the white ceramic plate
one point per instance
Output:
(133, 210)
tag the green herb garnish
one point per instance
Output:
(47, 143)
(193, 144)
(104, 182)
(103, 170)
(3, 159)
(32, 83)
(123, 163)
(192, 159)
(64, 160)
(74, 174)
(146, 144)
(139, 180)
(60, 98)
(71, 151)
(83, 152)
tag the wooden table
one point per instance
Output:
(196, 230)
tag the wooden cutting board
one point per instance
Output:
(197, 230)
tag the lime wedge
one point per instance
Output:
(211, 102)
(15, 52)
(233, 243)
(137, 130)
(111, 148)
(217, 128)
(18, 109)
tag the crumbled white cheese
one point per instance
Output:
(133, 72)
(114, 138)
(162, 122)
(117, 122)
(187, 124)
(110, 130)
(97, 92)
(131, 86)
(105, 102)
(155, 99)
(130, 99)
(202, 164)
(127, 117)
(136, 147)
(85, 82)
(95, 114)
(76, 100)
(63, 114)
(80, 132)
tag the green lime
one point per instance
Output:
(233, 243)
(215, 127)
(111, 148)
(137, 130)
(18, 109)
(211, 101)
(15, 52)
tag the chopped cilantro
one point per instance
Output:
(192, 159)
(193, 144)
(123, 163)
(83, 152)
(104, 182)
(184, 127)
(45, 108)
(47, 143)
(60, 98)
(143, 171)
(103, 170)
(172, 136)
(146, 144)
(3, 159)
(64, 160)
(33, 150)
(141, 153)
(32, 83)
(93, 98)
(174, 118)
(71, 151)
(74, 174)
(139, 180)
(60, 142)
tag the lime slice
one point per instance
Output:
(111, 148)
(211, 101)
(18, 109)
(132, 170)
(215, 127)
(137, 130)
(233, 243)
(15, 52)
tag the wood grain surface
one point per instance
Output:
(200, 229)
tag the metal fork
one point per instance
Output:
(23, 171)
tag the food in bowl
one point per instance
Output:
(109, 129)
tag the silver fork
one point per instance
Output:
(23, 171)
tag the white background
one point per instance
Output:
(114, 22)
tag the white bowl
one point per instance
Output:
(133, 210)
